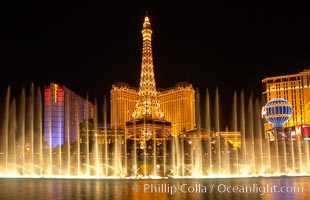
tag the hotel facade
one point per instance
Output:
(64, 110)
(295, 88)
(178, 104)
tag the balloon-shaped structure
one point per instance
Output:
(277, 111)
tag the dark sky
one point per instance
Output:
(89, 46)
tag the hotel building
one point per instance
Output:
(64, 110)
(295, 88)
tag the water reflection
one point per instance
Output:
(231, 188)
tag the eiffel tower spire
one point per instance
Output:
(148, 105)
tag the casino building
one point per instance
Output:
(295, 88)
(64, 110)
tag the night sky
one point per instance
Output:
(89, 46)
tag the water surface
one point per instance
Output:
(221, 188)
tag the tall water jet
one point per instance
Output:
(116, 155)
(250, 136)
(217, 130)
(105, 141)
(259, 143)
(38, 139)
(235, 129)
(5, 132)
(67, 142)
(243, 131)
(98, 149)
(78, 146)
(87, 146)
(196, 154)
(30, 130)
(12, 138)
(48, 132)
(21, 130)
(208, 129)
(177, 158)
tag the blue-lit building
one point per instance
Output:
(64, 110)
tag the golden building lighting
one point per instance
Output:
(295, 88)
(175, 104)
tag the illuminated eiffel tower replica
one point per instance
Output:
(148, 125)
